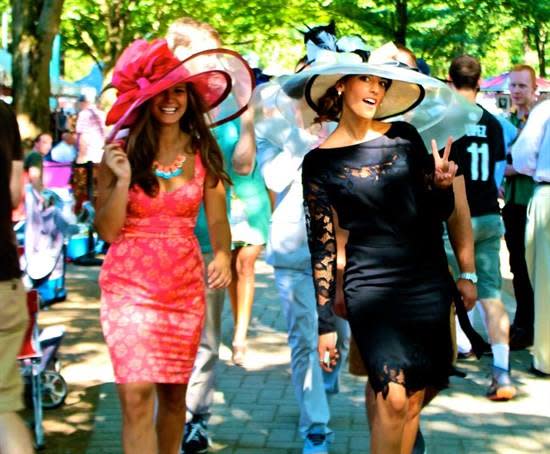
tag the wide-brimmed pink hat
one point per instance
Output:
(146, 69)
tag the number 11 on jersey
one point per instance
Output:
(476, 151)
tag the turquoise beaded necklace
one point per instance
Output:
(173, 170)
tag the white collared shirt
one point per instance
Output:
(63, 152)
(531, 152)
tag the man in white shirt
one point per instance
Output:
(531, 156)
(518, 189)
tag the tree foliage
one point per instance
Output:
(534, 19)
(440, 30)
(435, 30)
(498, 32)
(103, 28)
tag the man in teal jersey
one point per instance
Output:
(478, 153)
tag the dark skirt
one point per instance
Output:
(399, 304)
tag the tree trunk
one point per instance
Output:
(540, 41)
(35, 24)
(402, 21)
(542, 60)
(114, 12)
(526, 40)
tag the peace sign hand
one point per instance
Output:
(445, 170)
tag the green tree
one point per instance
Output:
(534, 19)
(103, 28)
(440, 30)
(498, 32)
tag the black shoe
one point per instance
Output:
(316, 443)
(419, 444)
(466, 356)
(457, 372)
(520, 339)
(195, 438)
(501, 387)
(538, 373)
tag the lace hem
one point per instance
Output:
(410, 380)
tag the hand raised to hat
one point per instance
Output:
(116, 160)
(445, 170)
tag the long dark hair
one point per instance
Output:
(143, 140)
(10, 139)
(330, 104)
(10, 150)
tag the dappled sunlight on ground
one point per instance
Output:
(254, 409)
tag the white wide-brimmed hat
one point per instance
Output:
(402, 95)
(430, 105)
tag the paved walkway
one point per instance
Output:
(255, 410)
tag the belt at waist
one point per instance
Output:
(135, 233)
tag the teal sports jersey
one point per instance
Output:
(227, 136)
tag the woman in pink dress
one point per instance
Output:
(149, 192)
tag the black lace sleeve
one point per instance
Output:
(322, 242)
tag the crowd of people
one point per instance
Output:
(376, 243)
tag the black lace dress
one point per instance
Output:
(397, 285)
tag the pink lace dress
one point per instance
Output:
(152, 286)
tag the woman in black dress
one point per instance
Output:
(391, 195)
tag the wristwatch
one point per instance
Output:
(472, 277)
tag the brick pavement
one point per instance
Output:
(255, 411)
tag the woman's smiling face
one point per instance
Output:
(169, 106)
(363, 94)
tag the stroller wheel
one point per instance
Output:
(54, 389)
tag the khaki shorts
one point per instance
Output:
(13, 323)
(488, 231)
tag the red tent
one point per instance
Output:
(500, 83)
